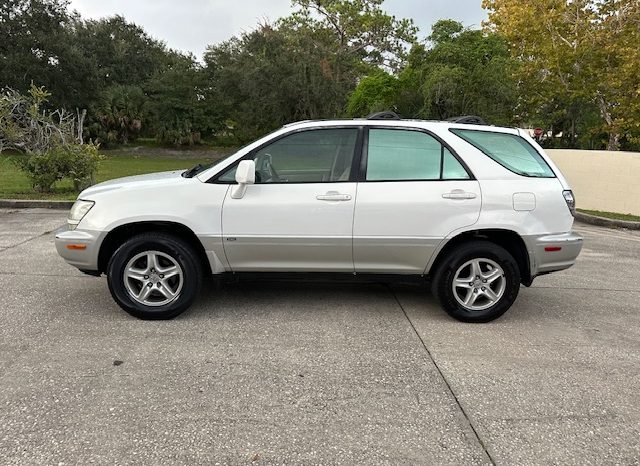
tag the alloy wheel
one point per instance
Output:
(153, 278)
(479, 284)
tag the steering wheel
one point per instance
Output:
(273, 174)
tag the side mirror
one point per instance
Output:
(245, 175)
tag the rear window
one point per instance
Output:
(509, 150)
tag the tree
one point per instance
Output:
(122, 52)
(467, 72)
(118, 115)
(356, 30)
(177, 111)
(85, 65)
(462, 72)
(616, 70)
(34, 46)
(579, 55)
(122, 58)
(352, 38)
(264, 79)
(374, 93)
(303, 66)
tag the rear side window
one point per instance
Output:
(396, 154)
(451, 168)
(509, 150)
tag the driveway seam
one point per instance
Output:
(59, 275)
(446, 382)
(581, 288)
(26, 241)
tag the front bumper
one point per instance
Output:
(79, 248)
(550, 253)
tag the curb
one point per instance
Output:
(607, 222)
(34, 204)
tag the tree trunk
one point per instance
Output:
(614, 136)
(614, 141)
(81, 117)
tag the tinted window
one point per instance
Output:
(452, 169)
(509, 150)
(395, 154)
(314, 156)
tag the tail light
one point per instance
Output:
(571, 201)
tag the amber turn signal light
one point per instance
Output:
(77, 247)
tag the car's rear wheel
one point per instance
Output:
(154, 276)
(477, 282)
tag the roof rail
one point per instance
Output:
(467, 119)
(386, 115)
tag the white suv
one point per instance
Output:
(475, 210)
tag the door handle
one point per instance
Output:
(459, 194)
(333, 196)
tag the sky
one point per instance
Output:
(190, 25)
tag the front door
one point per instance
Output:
(298, 216)
(414, 193)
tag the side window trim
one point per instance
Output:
(362, 173)
(355, 162)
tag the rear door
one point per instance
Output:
(413, 192)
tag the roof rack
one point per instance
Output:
(468, 120)
(386, 115)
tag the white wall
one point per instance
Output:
(602, 180)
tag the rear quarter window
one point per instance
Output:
(509, 150)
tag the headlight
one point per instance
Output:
(78, 211)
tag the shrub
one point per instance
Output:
(78, 162)
(177, 137)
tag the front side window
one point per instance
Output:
(313, 156)
(397, 154)
(509, 150)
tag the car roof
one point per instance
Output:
(404, 123)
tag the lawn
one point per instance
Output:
(612, 215)
(15, 185)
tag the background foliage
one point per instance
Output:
(570, 67)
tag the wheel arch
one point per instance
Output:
(508, 239)
(121, 233)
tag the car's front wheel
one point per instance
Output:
(154, 276)
(477, 282)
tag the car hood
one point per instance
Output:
(138, 181)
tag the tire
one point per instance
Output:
(166, 265)
(487, 297)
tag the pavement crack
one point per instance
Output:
(444, 379)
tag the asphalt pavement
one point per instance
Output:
(317, 373)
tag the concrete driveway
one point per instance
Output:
(311, 373)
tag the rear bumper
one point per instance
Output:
(550, 253)
(79, 248)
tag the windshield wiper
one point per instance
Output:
(193, 171)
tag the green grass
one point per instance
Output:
(613, 215)
(15, 185)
